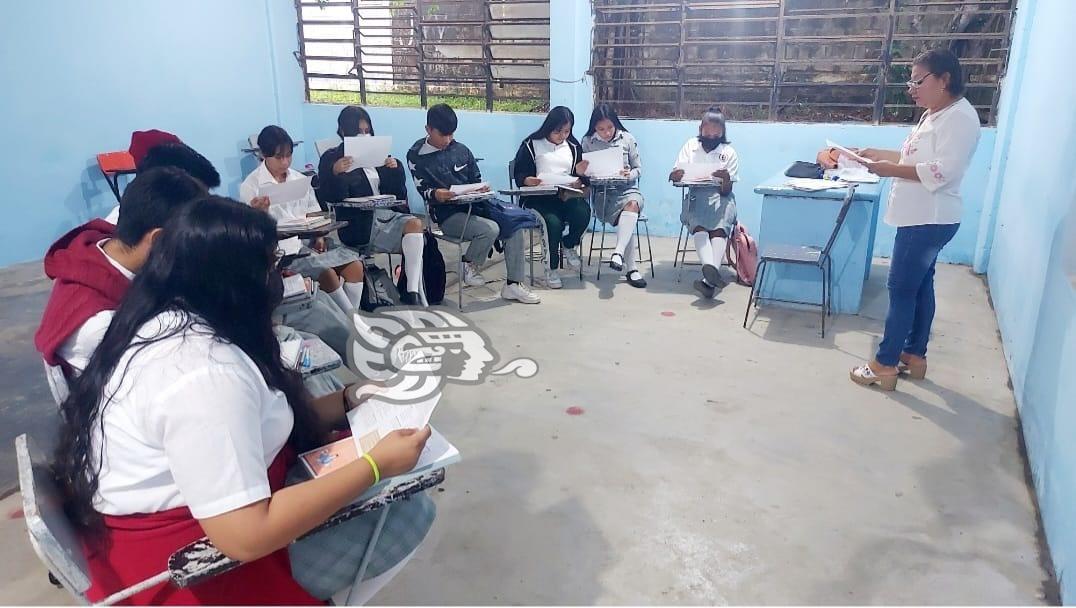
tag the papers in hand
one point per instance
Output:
(846, 152)
(556, 179)
(605, 163)
(367, 151)
(286, 192)
(699, 173)
(289, 352)
(467, 188)
(470, 192)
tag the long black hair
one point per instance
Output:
(212, 264)
(347, 123)
(557, 118)
(604, 111)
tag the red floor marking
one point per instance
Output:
(575, 410)
(16, 514)
(668, 313)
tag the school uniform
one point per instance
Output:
(609, 206)
(537, 157)
(313, 264)
(382, 229)
(706, 206)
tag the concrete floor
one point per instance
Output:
(710, 465)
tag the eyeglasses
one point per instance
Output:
(915, 84)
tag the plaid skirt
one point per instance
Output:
(313, 265)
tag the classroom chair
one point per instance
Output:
(56, 542)
(803, 255)
(544, 242)
(597, 223)
(113, 165)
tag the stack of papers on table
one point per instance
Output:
(807, 184)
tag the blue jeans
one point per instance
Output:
(911, 290)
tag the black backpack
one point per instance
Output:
(379, 290)
(804, 169)
(433, 272)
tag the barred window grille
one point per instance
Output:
(473, 54)
(791, 60)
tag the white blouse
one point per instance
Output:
(190, 422)
(940, 147)
(252, 185)
(552, 159)
(724, 155)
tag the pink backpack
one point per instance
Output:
(742, 251)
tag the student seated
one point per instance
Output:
(439, 162)
(710, 211)
(92, 266)
(185, 421)
(338, 270)
(391, 230)
(552, 152)
(175, 155)
(621, 205)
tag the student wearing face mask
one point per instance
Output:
(553, 152)
(710, 211)
(622, 205)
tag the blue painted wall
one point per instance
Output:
(78, 77)
(1035, 302)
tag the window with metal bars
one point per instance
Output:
(791, 60)
(472, 54)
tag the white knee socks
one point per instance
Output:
(412, 245)
(704, 248)
(354, 292)
(629, 254)
(341, 299)
(718, 245)
(625, 230)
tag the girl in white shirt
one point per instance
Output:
(338, 270)
(180, 424)
(710, 209)
(925, 207)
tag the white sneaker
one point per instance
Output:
(519, 293)
(470, 275)
(552, 279)
(571, 259)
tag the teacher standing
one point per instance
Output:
(925, 207)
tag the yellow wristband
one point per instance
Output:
(373, 465)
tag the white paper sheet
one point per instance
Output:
(699, 172)
(290, 246)
(556, 179)
(467, 188)
(289, 352)
(846, 152)
(294, 285)
(367, 151)
(289, 191)
(605, 163)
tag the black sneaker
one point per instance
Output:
(713, 276)
(705, 289)
(616, 262)
(635, 279)
(411, 298)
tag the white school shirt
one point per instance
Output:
(940, 147)
(77, 349)
(190, 423)
(251, 187)
(724, 155)
(552, 159)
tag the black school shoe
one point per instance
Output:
(713, 277)
(635, 279)
(705, 289)
(616, 262)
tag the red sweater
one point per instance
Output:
(85, 283)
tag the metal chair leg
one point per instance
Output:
(751, 297)
(590, 254)
(459, 281)
(822, 267)
(601, 250)
(369, 553)
(649, 248)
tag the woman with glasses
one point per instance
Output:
(925, 207)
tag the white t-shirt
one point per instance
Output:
(79, 346)
(940, 147)
(552, 159)
(191, 423)
(251, 188)
(724, 155)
